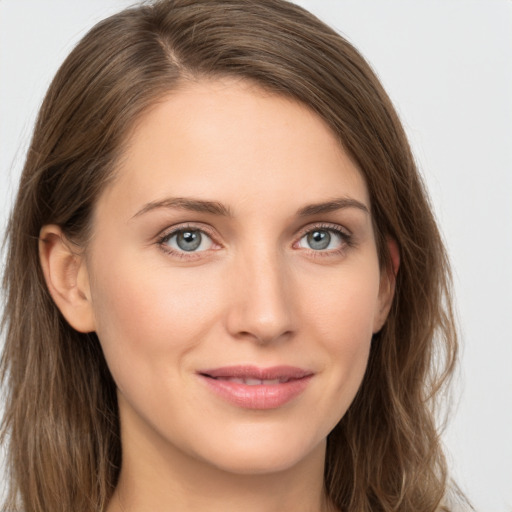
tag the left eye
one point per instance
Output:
(189, 240)
(321, 240)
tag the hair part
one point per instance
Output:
(61, 421)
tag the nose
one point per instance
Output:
(262, 305)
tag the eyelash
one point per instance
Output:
(164, 238)
(345, 236)
(347, 240)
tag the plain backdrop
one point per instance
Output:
(447, 65)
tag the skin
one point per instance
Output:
(255, 292)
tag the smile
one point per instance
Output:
(251, 387)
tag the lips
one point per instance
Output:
(252, 387)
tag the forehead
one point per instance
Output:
(232, 141)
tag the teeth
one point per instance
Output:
(239, 381)
(257, 382)
(253, 382)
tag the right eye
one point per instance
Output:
(187, 240)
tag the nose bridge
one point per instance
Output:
(261, 308)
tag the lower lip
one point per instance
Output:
(260, 396)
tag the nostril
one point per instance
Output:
(264, 337)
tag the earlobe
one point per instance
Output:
(66, 276)
(387, 285)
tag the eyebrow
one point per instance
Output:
(183, 203)
(216, 208)
(331, 206)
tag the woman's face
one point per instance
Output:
(233, 279)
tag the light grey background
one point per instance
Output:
(447, 64)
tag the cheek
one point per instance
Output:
(346, 306)
(145, 316)
(343, 317)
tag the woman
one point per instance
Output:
(236, 285)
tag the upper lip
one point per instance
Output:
(255, 372)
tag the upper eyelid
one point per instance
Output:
(199, 226)
(324, 225)
(192, 226)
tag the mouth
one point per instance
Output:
(252, 387)
(250, 381)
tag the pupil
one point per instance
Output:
(319, 240)
(188, 240)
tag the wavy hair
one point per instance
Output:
(61, 424)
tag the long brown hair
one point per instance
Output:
(61, 422)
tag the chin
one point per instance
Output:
(253, 456)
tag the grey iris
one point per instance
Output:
(188, 240)
(319, 239)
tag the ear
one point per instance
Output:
(387, 285)
(66, 276)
